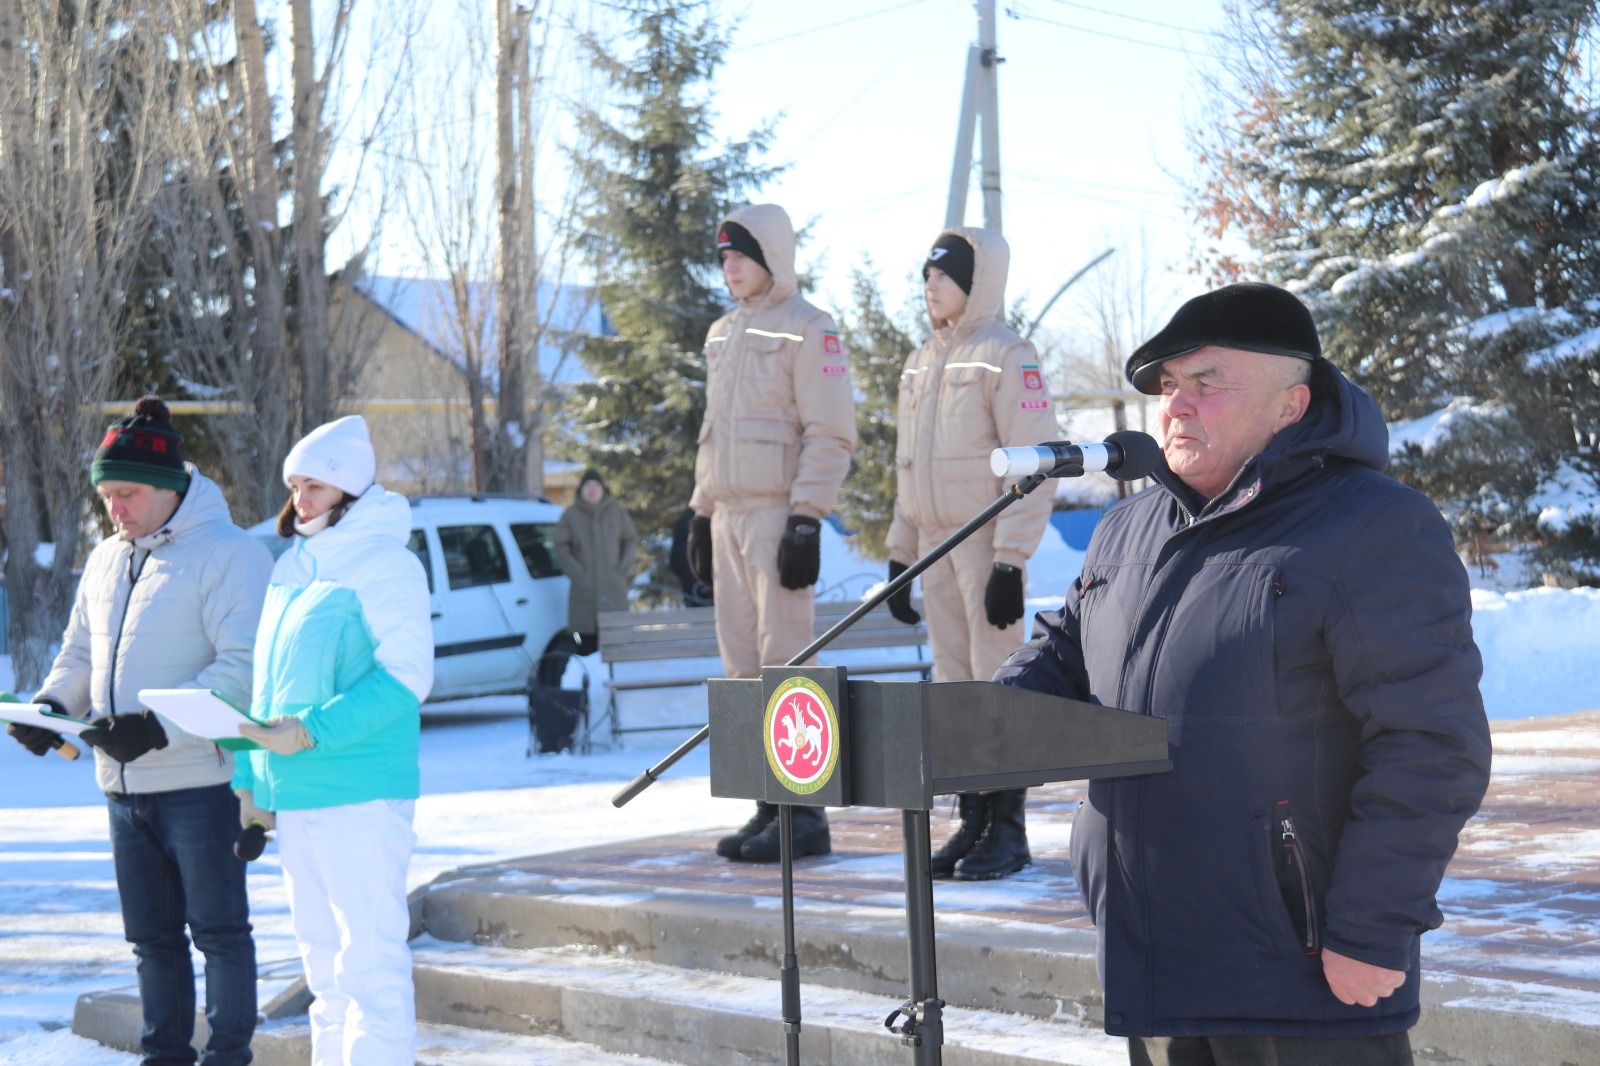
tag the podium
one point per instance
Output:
(809, 736)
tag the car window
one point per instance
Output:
(473, 556)
(536, 541)
(419, 547)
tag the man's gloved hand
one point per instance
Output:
(1003, 598)
(250, 814)
(800, 553)
(125, 737)
(284, 736)
(37, 740)
(900, 602)
(700, 549)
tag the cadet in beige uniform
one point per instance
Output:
(973, 387)
(775, 446)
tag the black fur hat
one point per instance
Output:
(1252, 316)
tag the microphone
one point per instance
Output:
(1126, 455)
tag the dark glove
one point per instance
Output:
(700, 549)
(900, 602)
(125, 737)
(37, 740)
(1003, 598)
(800, 553)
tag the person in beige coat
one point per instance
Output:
(774, 448)
(973, 387)
(595, 541)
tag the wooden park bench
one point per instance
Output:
(691, 633)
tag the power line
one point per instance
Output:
(1146, 21)
(827, 26)
(1015, 14)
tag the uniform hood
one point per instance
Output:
(991, 263)
(769, 224)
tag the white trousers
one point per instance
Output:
(345, 868)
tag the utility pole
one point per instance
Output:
(980, 96)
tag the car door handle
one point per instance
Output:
(523, 602)
(438, 614)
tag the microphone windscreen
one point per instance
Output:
(1141, 455)
(251, 843)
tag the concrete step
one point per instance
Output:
(112, 1018)
(1034, 971)
(625, 1005)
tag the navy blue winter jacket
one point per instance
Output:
(1307, 637)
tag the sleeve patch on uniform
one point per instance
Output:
(1034, 405)
(834, 370)
(831, 345)
(1032, 379)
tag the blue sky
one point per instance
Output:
(1094, 98)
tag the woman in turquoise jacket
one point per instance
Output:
(343, 661)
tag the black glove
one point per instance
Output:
(125, 737)
(900, 602)
(1003, 598)
(36, 739)
(800, 553)
(700, 549)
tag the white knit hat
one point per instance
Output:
(338, 453)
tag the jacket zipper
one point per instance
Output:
(1292, 869)
(116, 645)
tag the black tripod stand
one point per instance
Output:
(1132, 456)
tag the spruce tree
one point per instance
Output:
(878, 343)
(657, 187)
(1424, 174)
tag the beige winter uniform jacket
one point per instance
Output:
(973, 387)
(780, 422)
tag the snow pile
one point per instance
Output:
(1539, 650)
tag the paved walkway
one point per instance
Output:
(1522, 898)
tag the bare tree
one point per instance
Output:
(83, 113)
(257, 335)
(481, 235)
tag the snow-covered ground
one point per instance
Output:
(485, 799)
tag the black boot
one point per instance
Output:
(728, 846)
(810, 837)
(974, 820)
(1004, 847)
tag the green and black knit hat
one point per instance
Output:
(142, 447)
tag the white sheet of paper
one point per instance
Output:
(35, 714)
(197, 711)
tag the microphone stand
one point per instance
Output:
(923, 1029)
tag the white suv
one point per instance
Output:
(499, 598)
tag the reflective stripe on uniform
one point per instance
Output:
(764, 333)
(985, 366)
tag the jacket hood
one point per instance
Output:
(377, 513)
(1342, 424)
(202, 504)
(769, 224)
(991, 263)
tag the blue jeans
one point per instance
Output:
(175, 867)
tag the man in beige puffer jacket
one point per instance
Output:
(775, 446)
(973, 387)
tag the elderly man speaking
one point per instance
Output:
(1302, 622)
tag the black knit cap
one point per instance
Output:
(734, 237)
(954, 258)
(142, 447)
(1251, 316)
